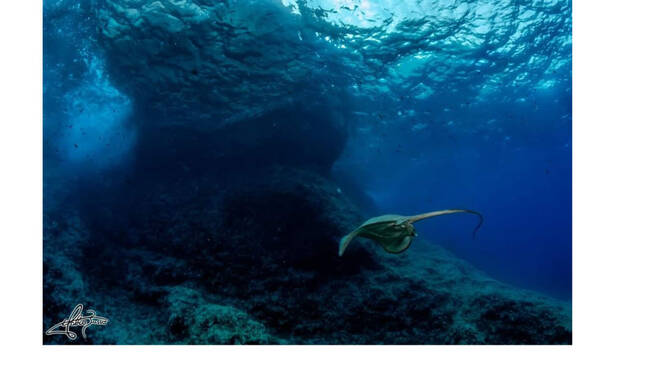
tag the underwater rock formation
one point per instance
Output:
(63, 281)
(207, 63)
(222, 224)
(166, 54)
(195, 320)
(256, 262)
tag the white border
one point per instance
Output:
(616, 186)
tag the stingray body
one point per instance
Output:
(395, 232)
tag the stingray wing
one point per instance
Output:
(346, 239)
(370, 226)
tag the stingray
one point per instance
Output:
(396, 232)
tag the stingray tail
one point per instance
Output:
(481, 221)
(423, 216)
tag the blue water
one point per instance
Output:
(445, 104)
(519, 178)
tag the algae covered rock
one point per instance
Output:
(194, 320)
(256, 262)
(64, 284)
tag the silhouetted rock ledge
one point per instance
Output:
(166, 54)
(256, 262)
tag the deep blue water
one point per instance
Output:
(519, 179)
(445, 105)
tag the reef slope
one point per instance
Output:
(255, 262)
